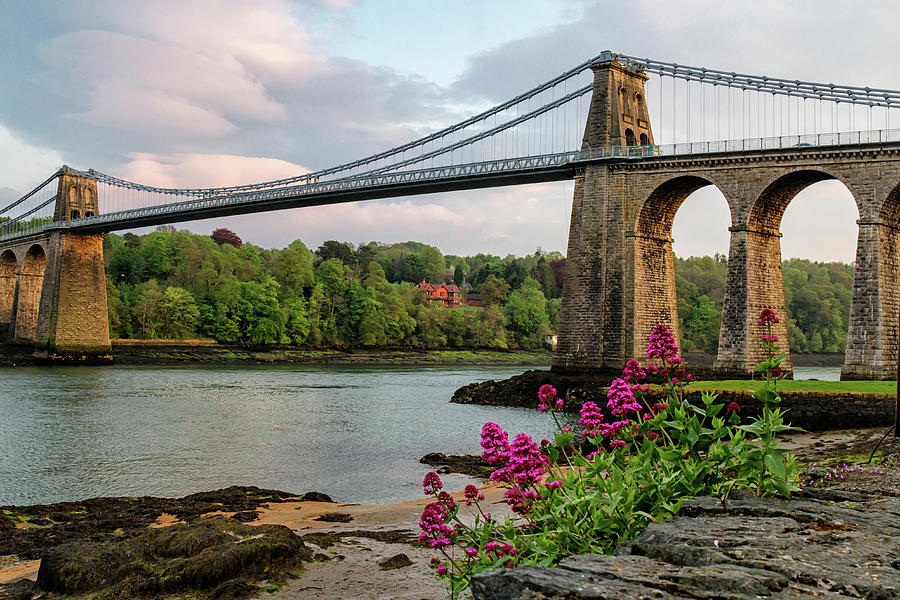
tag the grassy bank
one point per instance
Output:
(864, 387)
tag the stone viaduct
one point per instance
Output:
(619, 278)
(53, 284)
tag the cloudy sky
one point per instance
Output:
(219, 92)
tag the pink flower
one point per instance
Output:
(621, 398)
(447, 500)
(433, 523)
(491, 546)
(617, 444)
(432, 483)
(546, 395)
(733, 406)
(554, 485)
(659, 407)
(441, 569)
(652, 435)
(767, 316)
(472, 552)
(591, 418)
(472, 494)
(769, 338)
(633, 370)
(662, 344)
(495, 443)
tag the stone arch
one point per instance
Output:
(755, 278)
(8, 267)
(645, 141)
(872, 339)
(28, 295)
(630, 139)
(75, 214)
(653, 263)
(768, 209)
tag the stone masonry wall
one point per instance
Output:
(73, 303)
(621, 280)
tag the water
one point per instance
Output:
(355, 433)
(820, 373)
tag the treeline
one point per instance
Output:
(817, 296)
(174, 284)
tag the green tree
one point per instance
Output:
(526, 311)
(181, 314)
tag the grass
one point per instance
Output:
(866, 387)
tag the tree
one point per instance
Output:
(181, 314)
(493, 290)
(342, 251)
(226, 236)
(526, 311)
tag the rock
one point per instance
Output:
(23, 589)
(398, 561)
(335, 517)
(196, 556)
(821, 544)
(233, 589)
(466, 464)
(316, 497)
(96, 519)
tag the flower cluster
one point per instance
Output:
(433, 523)
(432, 483)
(621, 398)
(591, 418)
(495, 443)
(471, 494)
(546, 395)
(520, 463)
(662, 345)
(767, 317)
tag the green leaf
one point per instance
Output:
(775, 464)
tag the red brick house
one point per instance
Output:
(446, 294)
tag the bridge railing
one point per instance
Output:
(786, 142)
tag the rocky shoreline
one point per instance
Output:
(245, 541)
(819, 544)
(815, 411)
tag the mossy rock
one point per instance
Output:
(203, 555)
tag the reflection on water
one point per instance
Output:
(355, 433)
(820, 373)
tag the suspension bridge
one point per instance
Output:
(759, 139)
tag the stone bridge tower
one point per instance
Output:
(55, 281)
(592, 331)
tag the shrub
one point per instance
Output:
(636, 464)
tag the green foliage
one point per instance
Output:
(172, 284)
(571, 503)
(817, 297)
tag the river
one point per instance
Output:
(354, 433)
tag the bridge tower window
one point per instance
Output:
(88, 213)
(630, 140)
(75, 215)
(645, 141)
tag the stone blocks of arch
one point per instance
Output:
(53, 293)
(619, 279)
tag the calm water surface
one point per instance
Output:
(355, 433)
(820, 373)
